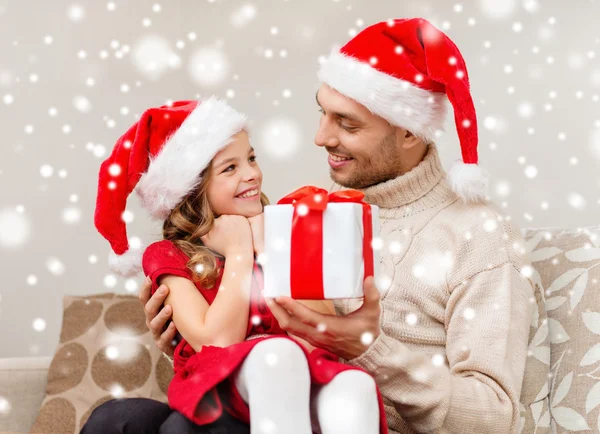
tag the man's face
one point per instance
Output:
(364, 149)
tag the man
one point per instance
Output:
(446, 340)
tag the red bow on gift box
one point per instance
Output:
(307, 237)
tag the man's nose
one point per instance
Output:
(325, 138)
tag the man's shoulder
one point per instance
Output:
(482, 236)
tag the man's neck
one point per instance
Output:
(423, 186)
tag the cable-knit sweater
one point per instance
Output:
(455, 308)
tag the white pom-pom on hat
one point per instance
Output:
(469, 181)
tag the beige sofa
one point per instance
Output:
(561, 391)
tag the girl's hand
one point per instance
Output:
(257, 225)
(230, 236)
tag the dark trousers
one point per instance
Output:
(147, 416)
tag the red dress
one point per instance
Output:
(203, 384)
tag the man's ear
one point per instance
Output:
(410, 140)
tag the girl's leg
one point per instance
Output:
(348, 404)
(178, 423)
(274, 381)
(127, 416)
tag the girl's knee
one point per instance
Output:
(348, 400)
(358, 381)
(275, 351)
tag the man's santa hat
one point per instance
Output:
(161, 156)
(403, 70)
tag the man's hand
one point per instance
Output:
(155, 320)
(345, 336)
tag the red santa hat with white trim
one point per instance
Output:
(161, 156)
(403, 70)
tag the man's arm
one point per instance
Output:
(477, 391)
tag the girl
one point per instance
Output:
(193, 167)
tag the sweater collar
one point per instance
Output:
(424, 186)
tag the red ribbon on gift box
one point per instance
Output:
(307, 237)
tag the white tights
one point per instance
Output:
(274, 381)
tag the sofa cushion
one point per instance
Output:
(105, 351)
(567, 263)
(22, 383)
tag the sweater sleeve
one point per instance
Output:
(475, 388)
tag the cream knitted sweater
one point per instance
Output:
(455, 309)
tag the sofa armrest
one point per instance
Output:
(22, 389)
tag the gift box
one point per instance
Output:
(320, 245)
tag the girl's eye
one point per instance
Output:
(253, 158)
(321, 111)
(230, 167)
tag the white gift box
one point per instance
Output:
(343, 265)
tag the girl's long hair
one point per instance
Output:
(191, 219)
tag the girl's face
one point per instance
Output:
(235, 180)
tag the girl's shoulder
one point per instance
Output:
(163, 254)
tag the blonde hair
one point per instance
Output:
(191, 219)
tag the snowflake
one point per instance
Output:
(15, 228)
(531, 6)
(267, 426)
(490, 122)
(526, 110)
(271, 359)
(366, 338)
(438, 360)
(31, 280)
(469, 314)
(243, 15)
(71, 215)
(5, 406)
(411, 319)
(110, 281)
(76, 13)
(82, 104)
(281, 138)
(577, 201)
(127, 216)
(131, 286)
(498, 9)
(531, 171)
(208, 66)
(117, 391)
(111, 352)
(8, 99)
(39, 324)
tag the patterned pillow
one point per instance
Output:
(567, 263)
(105, 352)
(535, 415)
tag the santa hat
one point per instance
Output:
(403, 70)
(161, 156)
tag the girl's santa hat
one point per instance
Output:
(161, 156)
(403, 70)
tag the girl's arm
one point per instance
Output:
(225, 321)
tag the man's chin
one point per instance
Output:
(343, 181)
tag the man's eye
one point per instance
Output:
(321, 111)
(347, 128)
